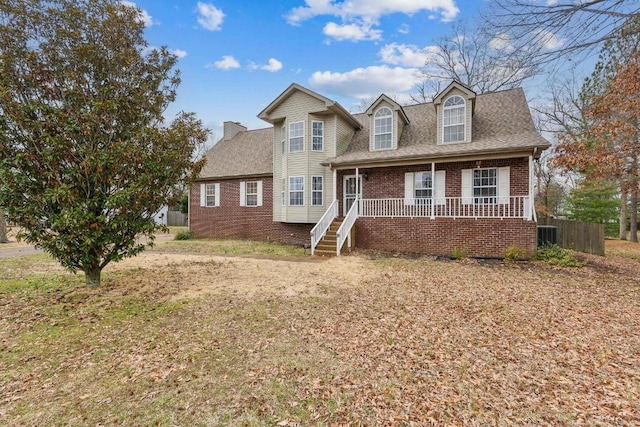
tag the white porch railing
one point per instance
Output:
(449, 207)
(344, 232)
(320, 229)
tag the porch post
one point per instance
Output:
(433, 190)
(357, 186)
(335, 184)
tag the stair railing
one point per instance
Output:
(344, 232)
(320, 229)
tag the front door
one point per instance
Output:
(350, 191)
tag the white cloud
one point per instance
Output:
(406, 55)
(352, 32)
(227, 62)
(404, 29)
(366, 83)
(273, 66)
(501, 42)
(210, 16)
(144, 15)
(371, 9)
(548, 40)
(179, 53)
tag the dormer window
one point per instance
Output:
(454, 114)
(383, 129)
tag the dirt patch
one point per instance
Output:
(191, 276)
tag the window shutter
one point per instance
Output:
(259, 193)
(439, 186)
(217, 193)
(243, 192)
(504, 184)
(203, 195)
(408, 188)
(467, 186)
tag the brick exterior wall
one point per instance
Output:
(474, 237)
(232, 221)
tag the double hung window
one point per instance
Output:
(296, 191)
(454, 112)
(383, 129)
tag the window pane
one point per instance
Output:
(251, 193)
(296, 191)
(318, 136)
(316, 191)
(485, 185)
(296, 136)
(382, 129)
(210, 194)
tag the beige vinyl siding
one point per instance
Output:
(344, 134)
(297, 106)
(279, 169)
(307, 163)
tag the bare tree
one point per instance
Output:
(565, 28)
(476, 59)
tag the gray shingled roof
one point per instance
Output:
(501, 123)
(247, 153)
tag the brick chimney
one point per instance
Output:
(231, 129)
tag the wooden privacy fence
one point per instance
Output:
(580, 236)
(176, 218)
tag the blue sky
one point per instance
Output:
(237, 56)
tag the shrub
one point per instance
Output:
(514, 254)
(184, 235)
(458, 253)
(555, 255)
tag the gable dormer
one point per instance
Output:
(388, 120)
(454, 109)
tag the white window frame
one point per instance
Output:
(244, 194)
(317, 135)
(283, 198)
(251, 193)
(422, 199)
(296, 187)
(283, 135)
(380, 129)
(458, 111)
(315, 191)
(210, 195)
(485, 180)
(296, 136)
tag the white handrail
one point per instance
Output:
(449, 207)
(320, 229)
(344, 232)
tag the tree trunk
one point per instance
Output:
(634, 213)
(92, 276)
(623, 215)
(3, 227)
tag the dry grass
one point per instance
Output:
(402, 342)
(622, 248)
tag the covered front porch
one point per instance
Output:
(484, 199)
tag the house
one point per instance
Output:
(455, 174)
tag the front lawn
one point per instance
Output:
(179, 336)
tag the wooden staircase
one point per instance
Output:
(327, 246)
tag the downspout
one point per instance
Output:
(531, 214)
